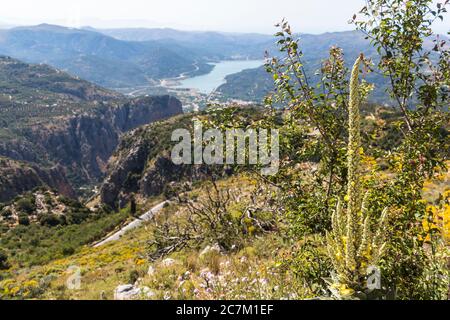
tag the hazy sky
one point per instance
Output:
(308, 16)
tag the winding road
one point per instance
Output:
(133, 225)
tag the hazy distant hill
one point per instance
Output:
(128, 58)
(219, 45)
(96, 57)
(145, 34)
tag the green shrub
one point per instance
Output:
(48, 200)
(26, 205)
(4, 265)
(6, 213)
(50, 220)
(70, 202)
(78, 217)
(24, 220)
(133, 276)
(68, 251)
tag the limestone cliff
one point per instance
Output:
(81, 145)
(142, 163)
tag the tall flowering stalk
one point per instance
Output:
(352, 245)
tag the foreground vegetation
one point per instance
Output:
(263, 264)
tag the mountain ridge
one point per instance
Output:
(69, 49)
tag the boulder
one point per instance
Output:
(127, 292)
(131, 292)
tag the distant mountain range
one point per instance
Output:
(127, 57)
(99, 58)
(215, 45)
(130, 58)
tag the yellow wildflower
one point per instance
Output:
(345, 291)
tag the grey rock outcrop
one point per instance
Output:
(77, 149)
(131, 292)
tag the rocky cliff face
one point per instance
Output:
(142, 111)
(81, 144)
(85, 143)
(139, 173)
(18, 177)
(60, 130)
(142, 164)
